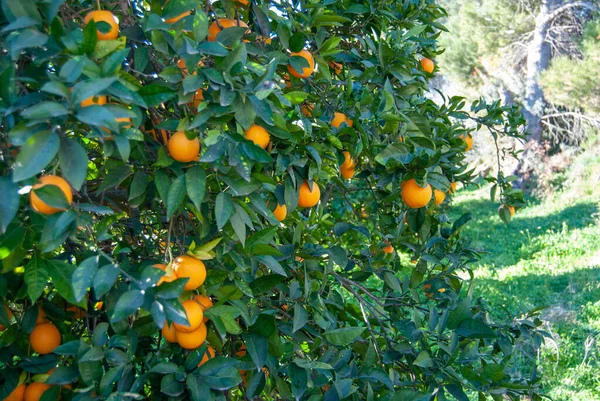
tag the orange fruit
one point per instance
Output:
(287, 80)
(308, 196)
(306, 71)
(306, 109)
(280, 212)
(192, 268)
(18, 394)
(209, 354)
(34, 391)
(339, 118)
(167, 278)
(336, 67)
(205, 302)
(213, 29)
(94, 100)
(258, 135)
(41, 317)
(182, 149)
(197, 99)
(39, 205)
(194, 314)
(98, 305)
(44, 338)
(9, 313)
(388, 249)
(439, 196)
(241, 352)
(194, 339)
(427, 65)
(242, 2)
(511, 209)
(183, 67)
(169, 333)
(177, 18)
(414, 195)
(162, 132)
(109, 18)
(468, 140)
(348, 160)
(452, 188)
(347, 172)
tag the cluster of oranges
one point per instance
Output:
(44, 338)
(193, 334)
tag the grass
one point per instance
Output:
(549, 255)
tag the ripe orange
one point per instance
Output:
(258, 135)
(205, 302)
(39, 205)
(9, 313)
(209, 354)
(439, 196)
(306, 109)
(167, 278)
(242, 2)
(41, 317)
(177, 18)
(162, 132)
(427, 65)
(109, 18)
(347, 167)
(182, 149)
(44, 338)
(197, 99)
(336, 67)
(287, 80)
(452, 188)
(194, 314)
(339, 118)
(194, 339)
(34, 391)
(306, 71)
(280, 212)
(241, 352)
(192, 268)
(213, 29)
(468, 140)
(95, 100)
(414, 195)
(18, 394)
(183, 67)
(388, 249)
(511, 209)
(308, 196)
(169, 333)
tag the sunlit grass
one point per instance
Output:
(549, 255)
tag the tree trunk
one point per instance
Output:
(538, 59)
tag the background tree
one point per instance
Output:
(174, 224)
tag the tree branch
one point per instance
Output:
(582, 4)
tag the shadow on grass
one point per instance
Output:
(505, 245)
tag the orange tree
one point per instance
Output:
(241, 200)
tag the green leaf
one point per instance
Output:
(272, 264)
(53, 196)
(238, 224)
(223, 209)
(115, 176)
(44, 111)
(424, 360)
(128, 304)
(36, 154)
(35, 277)
(344, 336)
(138, 186)
(176, 196)
(105, 278)
(105, 47)
(200, 27)
(457, 392)
(258, 348)
(170, 386)
(195, 184)
(91, 88)
(472, 328)
(9, 202)
(155, 94)
(83, 277)
(300, 317)
(61, 274)
(73, 162)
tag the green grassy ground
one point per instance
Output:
(549, 255)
